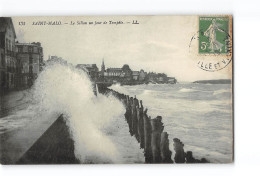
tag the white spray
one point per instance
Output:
(65, 90)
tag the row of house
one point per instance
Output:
(112, 74)
(20, 63)
(56, 59)
(123, 75)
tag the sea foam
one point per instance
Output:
(63, 89)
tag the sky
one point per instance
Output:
(157, 43)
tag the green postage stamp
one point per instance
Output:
(215, 35)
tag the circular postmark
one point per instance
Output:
(212, 44)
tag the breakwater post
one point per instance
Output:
(147, 138)
(157, 128)
(149, 132)
(182, 157)
(179, 151)
(140, 118)
(165, 151)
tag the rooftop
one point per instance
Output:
(114, 69)
(136, 73)
(28, 44)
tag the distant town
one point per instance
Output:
(21, 63)
(124, 75)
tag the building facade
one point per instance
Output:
(135, 75)
(2, 70)
(57, 60)
(128, 72)
(91, 70)
(172, 80)
(29, 63)
(8, 69)
(142, 75)
(121, 75)
(114, 72)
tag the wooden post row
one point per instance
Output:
(149, 133)
(157, 128)
(164, 147)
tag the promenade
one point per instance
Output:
(20, 125)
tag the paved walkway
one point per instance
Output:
(21, 125)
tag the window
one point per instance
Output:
(30, 60)
(9, 45)
(2, 59)
(20, 49)
(35, 49)
(6, 44)
(12, 79)
(30, 49)
(25, 49)
(3, 79)
(7, 79)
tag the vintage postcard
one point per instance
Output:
(116, 89)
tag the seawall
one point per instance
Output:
(55, 146)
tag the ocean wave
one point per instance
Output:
(65, 90)
(149, 92)
(119, 88)
(221, 91)
(186, 90)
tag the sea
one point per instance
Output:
(200, 115)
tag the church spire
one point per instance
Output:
(103, 67)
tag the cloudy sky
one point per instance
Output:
(157, 43)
